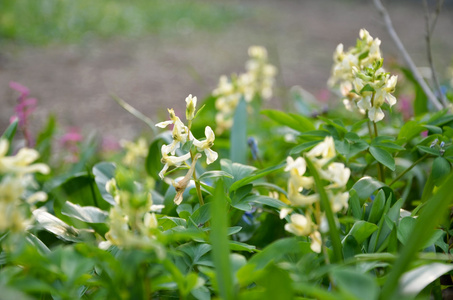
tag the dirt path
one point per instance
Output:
(156, 72)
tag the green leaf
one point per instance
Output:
(153, 163)
(255, 176)
(410, 130)
(383, 157)
(428, 219)
(239, 171)
(238, 246)
(354, 284)
(202, 214)
(272, 202)
(429, 150)
(414, 281)
(56, 226)
(354, 204)
(433, 129)
(215, 174)
(220, 243)
(366, 186)
(441, 168)
(304, 146)
(238, 135)
(377, 208)
(89, 214)
(10, 131)
(367, 88)
(103, 172)
(362, 230)
(296, 122)
(327, 208)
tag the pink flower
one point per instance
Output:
(71, 136)
(24, 108)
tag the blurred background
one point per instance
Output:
(73, 55)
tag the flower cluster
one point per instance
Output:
(361, 77)
(16, 185)
(258, 80)
(181, 135)
(301, 190)
(134, 151)
(132, 220)
(24, 108)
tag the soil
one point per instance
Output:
(158, 71)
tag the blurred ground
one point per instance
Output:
(159, 71)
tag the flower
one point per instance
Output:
(170, 161)
(21, 163)
(134, 151)
(180, 132)
(300, 225)
(316, 241)
(206, 145)
(191, 103)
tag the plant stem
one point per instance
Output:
(326, 206)
(381, 173)
(408, 169)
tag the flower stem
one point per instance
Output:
(197, 185)
(380, 166)
(408, 169)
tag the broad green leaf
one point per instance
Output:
(103, 172)
(220, 243)
(366, 186)
(298, 123)
(304, 146)
(354, 204)
(355, 285)
(89, 214)
(427, 221)
(410, 130)
(429, 150)
(361, 230)
(441, 168)
(265, 200)
(252, 177)
(153, 163)
(215, 174)
(414, 281)
(238, 135)
(239, 171)
(377, 207)
(433, 129)
(383, 157)
(202, 214)
(56, 226)
(238, 246)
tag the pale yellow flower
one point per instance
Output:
(299, 225)
(191, 104)
(171, 161)
(316, 242)
(206, 145)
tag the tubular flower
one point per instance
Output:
(17, 195)
(171, 161)
(181, 135)
(206, 145)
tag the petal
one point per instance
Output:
(375, 114)
(211, 156)
(391, 99)
(162, 172)
(164, 124)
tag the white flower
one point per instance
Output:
(206, 145)
(375, 114)
(150, 221)
(21, 162)
(298, 166)
(171, 161)
(316, 242)
(339, 201)
(191, 104)
(300, 225)
(337, 173)
(179, 134)
(325, 149)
